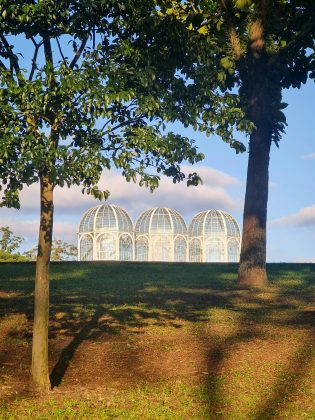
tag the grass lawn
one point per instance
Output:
(161, 341)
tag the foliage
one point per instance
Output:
(8, 241)
(219, 55)
(73, 107)
(11, 257)
(60, 251)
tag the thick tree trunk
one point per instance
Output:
(40, 372)
(261, 92)
(252, 268)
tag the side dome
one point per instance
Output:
(161, 220)
(213, 222)
(105, 217)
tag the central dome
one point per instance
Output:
(161, 220)
(161, 235)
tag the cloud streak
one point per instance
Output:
(305, 217)
(212, 194)
(309, 156)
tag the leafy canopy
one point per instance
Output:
(72, 104)
(221, 66)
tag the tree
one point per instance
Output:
(238, 57)
(60, 251)
(9, 244)
(71, 108)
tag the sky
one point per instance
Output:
(291, 205)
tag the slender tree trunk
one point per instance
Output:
(252, 268)
(40, 371)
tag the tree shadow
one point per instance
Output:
(121, 298)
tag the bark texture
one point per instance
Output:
(252, 268)
(40, 371)
(260, 95)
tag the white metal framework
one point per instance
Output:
(214, 236)
(106, 233)
(161, 235)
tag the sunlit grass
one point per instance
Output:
(162, 341)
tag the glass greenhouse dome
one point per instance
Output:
(105, 233)
(161, 235)
(214, 236)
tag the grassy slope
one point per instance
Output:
(164, 341)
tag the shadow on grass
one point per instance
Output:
(115, 297)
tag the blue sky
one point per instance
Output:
(291, 207)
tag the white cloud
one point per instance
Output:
(309, 156)
(304, 217)
(71, 203)
(212, 194)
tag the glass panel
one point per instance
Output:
(87, 221)
(196, 225)
(106, 247)
(233, 251)
(231, 225)
(106, 218)
(86, 248)
(161, 249)
(142, 248)
(195, 251)
(214, 251)
(125, 248)
(178, 223)
(142, 225)
(161, 221)
(214, 222)
(124, 221)
(180, 249)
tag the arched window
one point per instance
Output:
(180, 249)
(142, 249)
(195, 250)
(106, 247)
(233, 251)
(214, 251)
(86, 248)
(125, 248)
(161, 248)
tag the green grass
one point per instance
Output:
(161, 341)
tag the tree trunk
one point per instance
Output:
(252, 268)
(260, 92)
(40, 371)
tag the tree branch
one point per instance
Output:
(37, 46)
(2, 65)
(123, 124)
(12, 58)
(78, 53)
(308, 29)
(60, 50)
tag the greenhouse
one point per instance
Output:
(214, 236)
(106, 233)
(161, 235)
